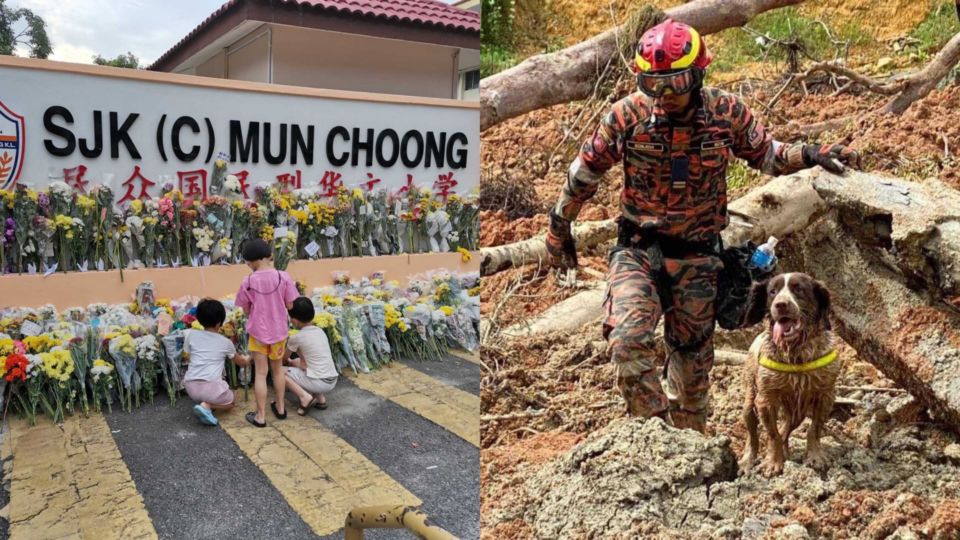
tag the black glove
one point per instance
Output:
(832, 158)
(561, 251)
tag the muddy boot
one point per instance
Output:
(682, 419)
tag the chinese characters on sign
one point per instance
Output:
(193, 183)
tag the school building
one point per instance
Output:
(408, 47)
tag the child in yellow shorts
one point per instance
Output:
(266, 295)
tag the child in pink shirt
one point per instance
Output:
(265, 296)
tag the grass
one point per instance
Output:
(940, 25)
(740, 177)
(494, 59)
(738, 46)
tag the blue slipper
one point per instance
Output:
(204, 415)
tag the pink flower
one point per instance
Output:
(165, 207)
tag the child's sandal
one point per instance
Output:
(273, 405)
(302, 409)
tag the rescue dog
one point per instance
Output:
(791, 369)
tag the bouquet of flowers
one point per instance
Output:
(16, 368)
(101, 378)
(148, 362)
(57, 366)
(84, 350)
(284, 249)
(173, 353)
(235, 328)
(123, 350)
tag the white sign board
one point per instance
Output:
(88, 126)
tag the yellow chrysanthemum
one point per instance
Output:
(266, 233)
(85, 203)
(299, 215)
(464, 254)
(137, 206)
(196, 325)
(447, 310)
(63, 222)
(57, 365)
(6, 346)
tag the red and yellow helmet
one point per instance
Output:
(670, 46)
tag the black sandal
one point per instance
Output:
(320, 406)
(252, 418)
(273, 405)
(302, 409)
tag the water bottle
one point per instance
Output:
(763, 258)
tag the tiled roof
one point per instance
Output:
(418, 12)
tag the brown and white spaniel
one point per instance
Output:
(791, 369)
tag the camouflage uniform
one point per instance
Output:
(683, 206)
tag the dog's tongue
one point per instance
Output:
(779, 328)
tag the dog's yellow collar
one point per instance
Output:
(825, 360)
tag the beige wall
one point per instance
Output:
(332, 60)
(213, 67)
(249, 58)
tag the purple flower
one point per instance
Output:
(168, 187)
(43, 200)
(8, 233)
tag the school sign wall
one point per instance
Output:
(137, 131)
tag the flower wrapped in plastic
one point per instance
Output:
(353, 361)
(172, 356)
(101, 378)
(375, 332)
(148, 362)
(58, 367)
(123, 350)
(353, 322)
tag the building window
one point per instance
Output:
(471, 80)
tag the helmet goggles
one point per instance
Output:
(656, 84)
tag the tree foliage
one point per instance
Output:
(128, 60)
(23, 27)
(496, 22)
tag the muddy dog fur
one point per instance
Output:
(796, 308)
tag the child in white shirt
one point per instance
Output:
(207, 350)
(313, 374)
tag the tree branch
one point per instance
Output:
(570, 74)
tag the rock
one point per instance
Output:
(793, 531)
(884, 63)
(631, 471)
(755, 527)
(952, 452)
(726, 532)
(903, 533)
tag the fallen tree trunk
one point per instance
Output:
(497, 259)
(571, 74)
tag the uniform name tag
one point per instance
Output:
(715, 145)
(646, 146)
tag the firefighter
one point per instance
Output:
(675, 139)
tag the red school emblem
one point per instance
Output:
(11, 146)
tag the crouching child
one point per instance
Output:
(312, 374)
(207, 350)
